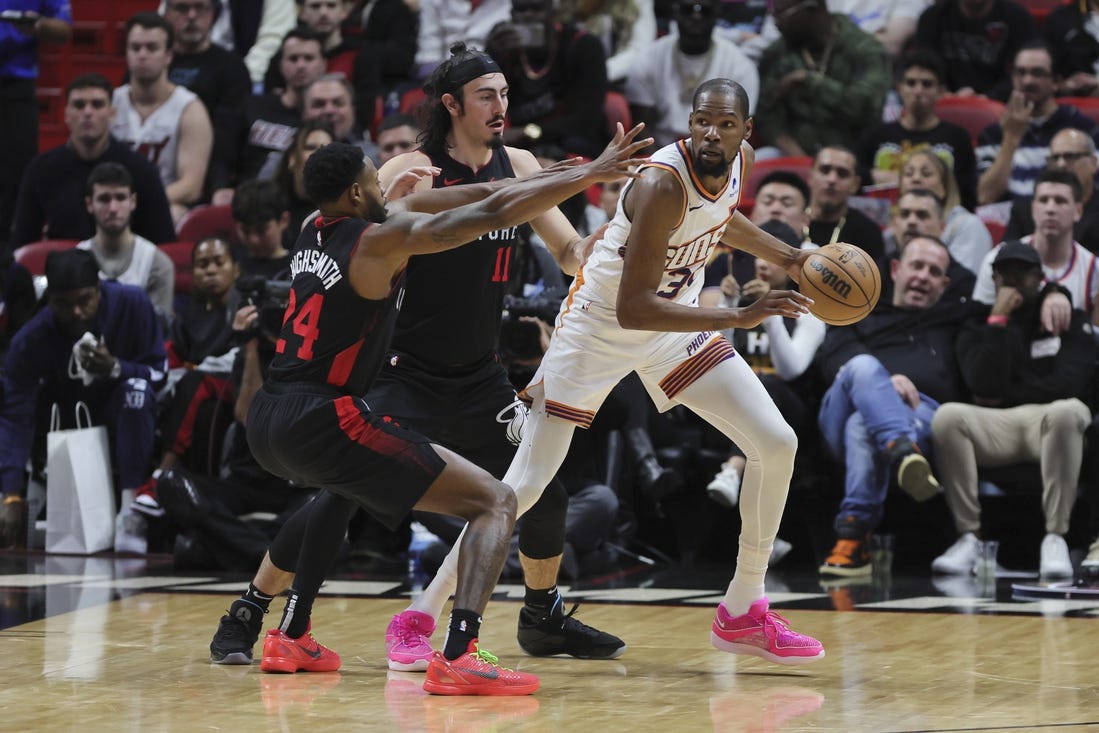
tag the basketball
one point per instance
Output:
(843, 282)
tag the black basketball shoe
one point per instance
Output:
(237, 633)
(545, 633)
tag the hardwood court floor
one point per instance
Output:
(139, 663)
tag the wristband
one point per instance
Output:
(996, 320)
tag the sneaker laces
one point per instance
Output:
(410, 633)
(771, 623)
(235, 629)
(576, 624)
(489, 658)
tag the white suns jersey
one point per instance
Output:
(157, 136)
(690, 244)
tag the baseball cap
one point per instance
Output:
(1016, 251)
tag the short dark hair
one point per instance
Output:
(219, 239)
(93, 80)
(258, 202)
(148, 19)
(108, 173)
(788, 178)
(1060, 175)
(940, 205)
(331, 170)
(924, 58)
(335, 76)
(1035, 44)
(723, 86)
(302, 33)
(394, 120)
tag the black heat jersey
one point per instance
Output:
(450, 316)
(330, 334)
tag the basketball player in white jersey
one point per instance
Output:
(634, 307)
(162, 121)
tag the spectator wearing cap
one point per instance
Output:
(1057, 208)
(97, 343)
(1029, 386)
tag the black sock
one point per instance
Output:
(465, 626)
(295, 617)
(254, 596)
(543, 600)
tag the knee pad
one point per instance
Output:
(542, 532)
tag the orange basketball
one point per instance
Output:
(843, 282)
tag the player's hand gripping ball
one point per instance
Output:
(843, 282)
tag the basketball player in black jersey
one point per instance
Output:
(309, 425)
(448, 382)
(442, 379)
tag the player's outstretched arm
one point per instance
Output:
(516, 202)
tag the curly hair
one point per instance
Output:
(331, 170)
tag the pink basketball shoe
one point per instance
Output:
(763, 633)
(406, 641)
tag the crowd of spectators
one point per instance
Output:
(986, 242)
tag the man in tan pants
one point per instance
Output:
(1027, 385)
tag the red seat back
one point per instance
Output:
(205, 221)
(180, 255)
(800, 164)
(972, 113)
(33, 254)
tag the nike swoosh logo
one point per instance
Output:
(451, 181)
(695, 208)
(315, 653)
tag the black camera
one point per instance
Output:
(521, 339)
(270, 298)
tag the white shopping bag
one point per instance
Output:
(80, 509)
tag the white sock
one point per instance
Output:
(746, 586)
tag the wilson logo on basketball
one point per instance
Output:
(831, 279)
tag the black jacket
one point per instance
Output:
(916, 343)
(1019, 364)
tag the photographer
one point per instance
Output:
(212, 512)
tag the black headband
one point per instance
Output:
(478, 64)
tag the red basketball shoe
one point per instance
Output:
(476, 673)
